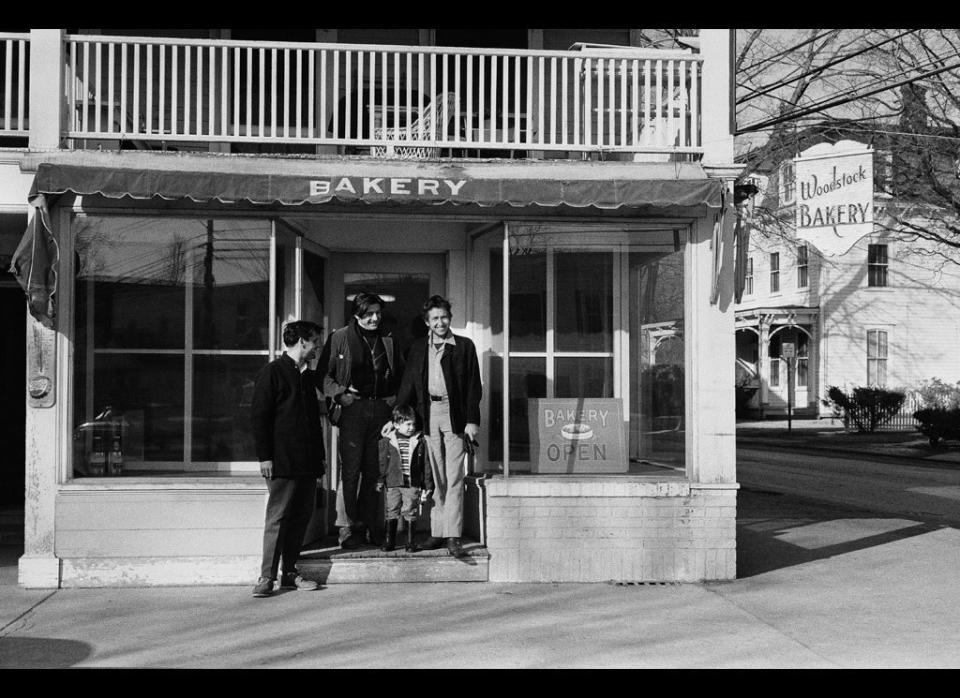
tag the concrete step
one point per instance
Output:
(327, 563)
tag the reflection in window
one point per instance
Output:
(584, 398)
(171, 326)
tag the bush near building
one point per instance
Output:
(864, 408)
(939, 418)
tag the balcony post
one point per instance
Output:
(717, 96)
(47, 98)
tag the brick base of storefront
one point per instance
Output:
(543, 530)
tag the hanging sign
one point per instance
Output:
(834, 205)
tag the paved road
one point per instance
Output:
(927, 492)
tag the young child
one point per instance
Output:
(405, 472)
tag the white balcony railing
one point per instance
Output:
(371, 98)
(14, 68)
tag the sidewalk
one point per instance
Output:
(826, 591)
(829, 434)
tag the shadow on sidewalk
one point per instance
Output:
(41, 653)
(777, 530)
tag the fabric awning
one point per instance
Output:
(297, 182)
(308, 181)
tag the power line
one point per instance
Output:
(875, 81)
(820, 106)
(786, 51)
(820, 69)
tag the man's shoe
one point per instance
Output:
(454, 547)
(350, 543)
(294, 580)
(264, 587)
(432, 543)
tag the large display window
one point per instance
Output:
(593, 350)
(172, 318)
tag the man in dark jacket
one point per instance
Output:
(442, 382)
(361, 368)
(289, 442)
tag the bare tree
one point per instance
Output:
(897, 89)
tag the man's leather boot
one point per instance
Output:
(411, 546)
(391, 540)
(454, 547)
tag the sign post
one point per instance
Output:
(789, 352)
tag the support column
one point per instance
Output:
(717, 95)
(709, 337)
(39, 567)
(47, 100)
(762, 355)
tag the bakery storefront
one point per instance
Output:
(598, 295)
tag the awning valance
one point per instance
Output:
(296, 182)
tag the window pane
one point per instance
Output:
(801, 373)
(222, 392)
(584, 301)
(131, 273)
(135, 317)
(528, 379)
(583, 377)
(775, 372)
(142, 394)
(656, 394)
(230, 270)
(313, 281)
(872, 341)
(138, 281)
(528, 299)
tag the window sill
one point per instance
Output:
(185, 481)
(584, 486)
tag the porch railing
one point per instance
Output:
(364, 96)
(14, 72)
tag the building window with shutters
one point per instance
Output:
(877, 265)
(774, 272)
(876, 358)
(788, 183)
(748, 278)
(802, 266)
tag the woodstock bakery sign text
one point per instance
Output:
(834, 205)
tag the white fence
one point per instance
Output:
(621, 100)
(14, 69)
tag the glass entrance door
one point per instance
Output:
(404, 281)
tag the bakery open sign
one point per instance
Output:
(577, 435)
(834, 205)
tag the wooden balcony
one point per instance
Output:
(371, 98)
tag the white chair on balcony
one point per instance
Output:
(417, 131)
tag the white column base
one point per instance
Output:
(39, 572)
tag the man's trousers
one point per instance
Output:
(446, 456)
(290, 503)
